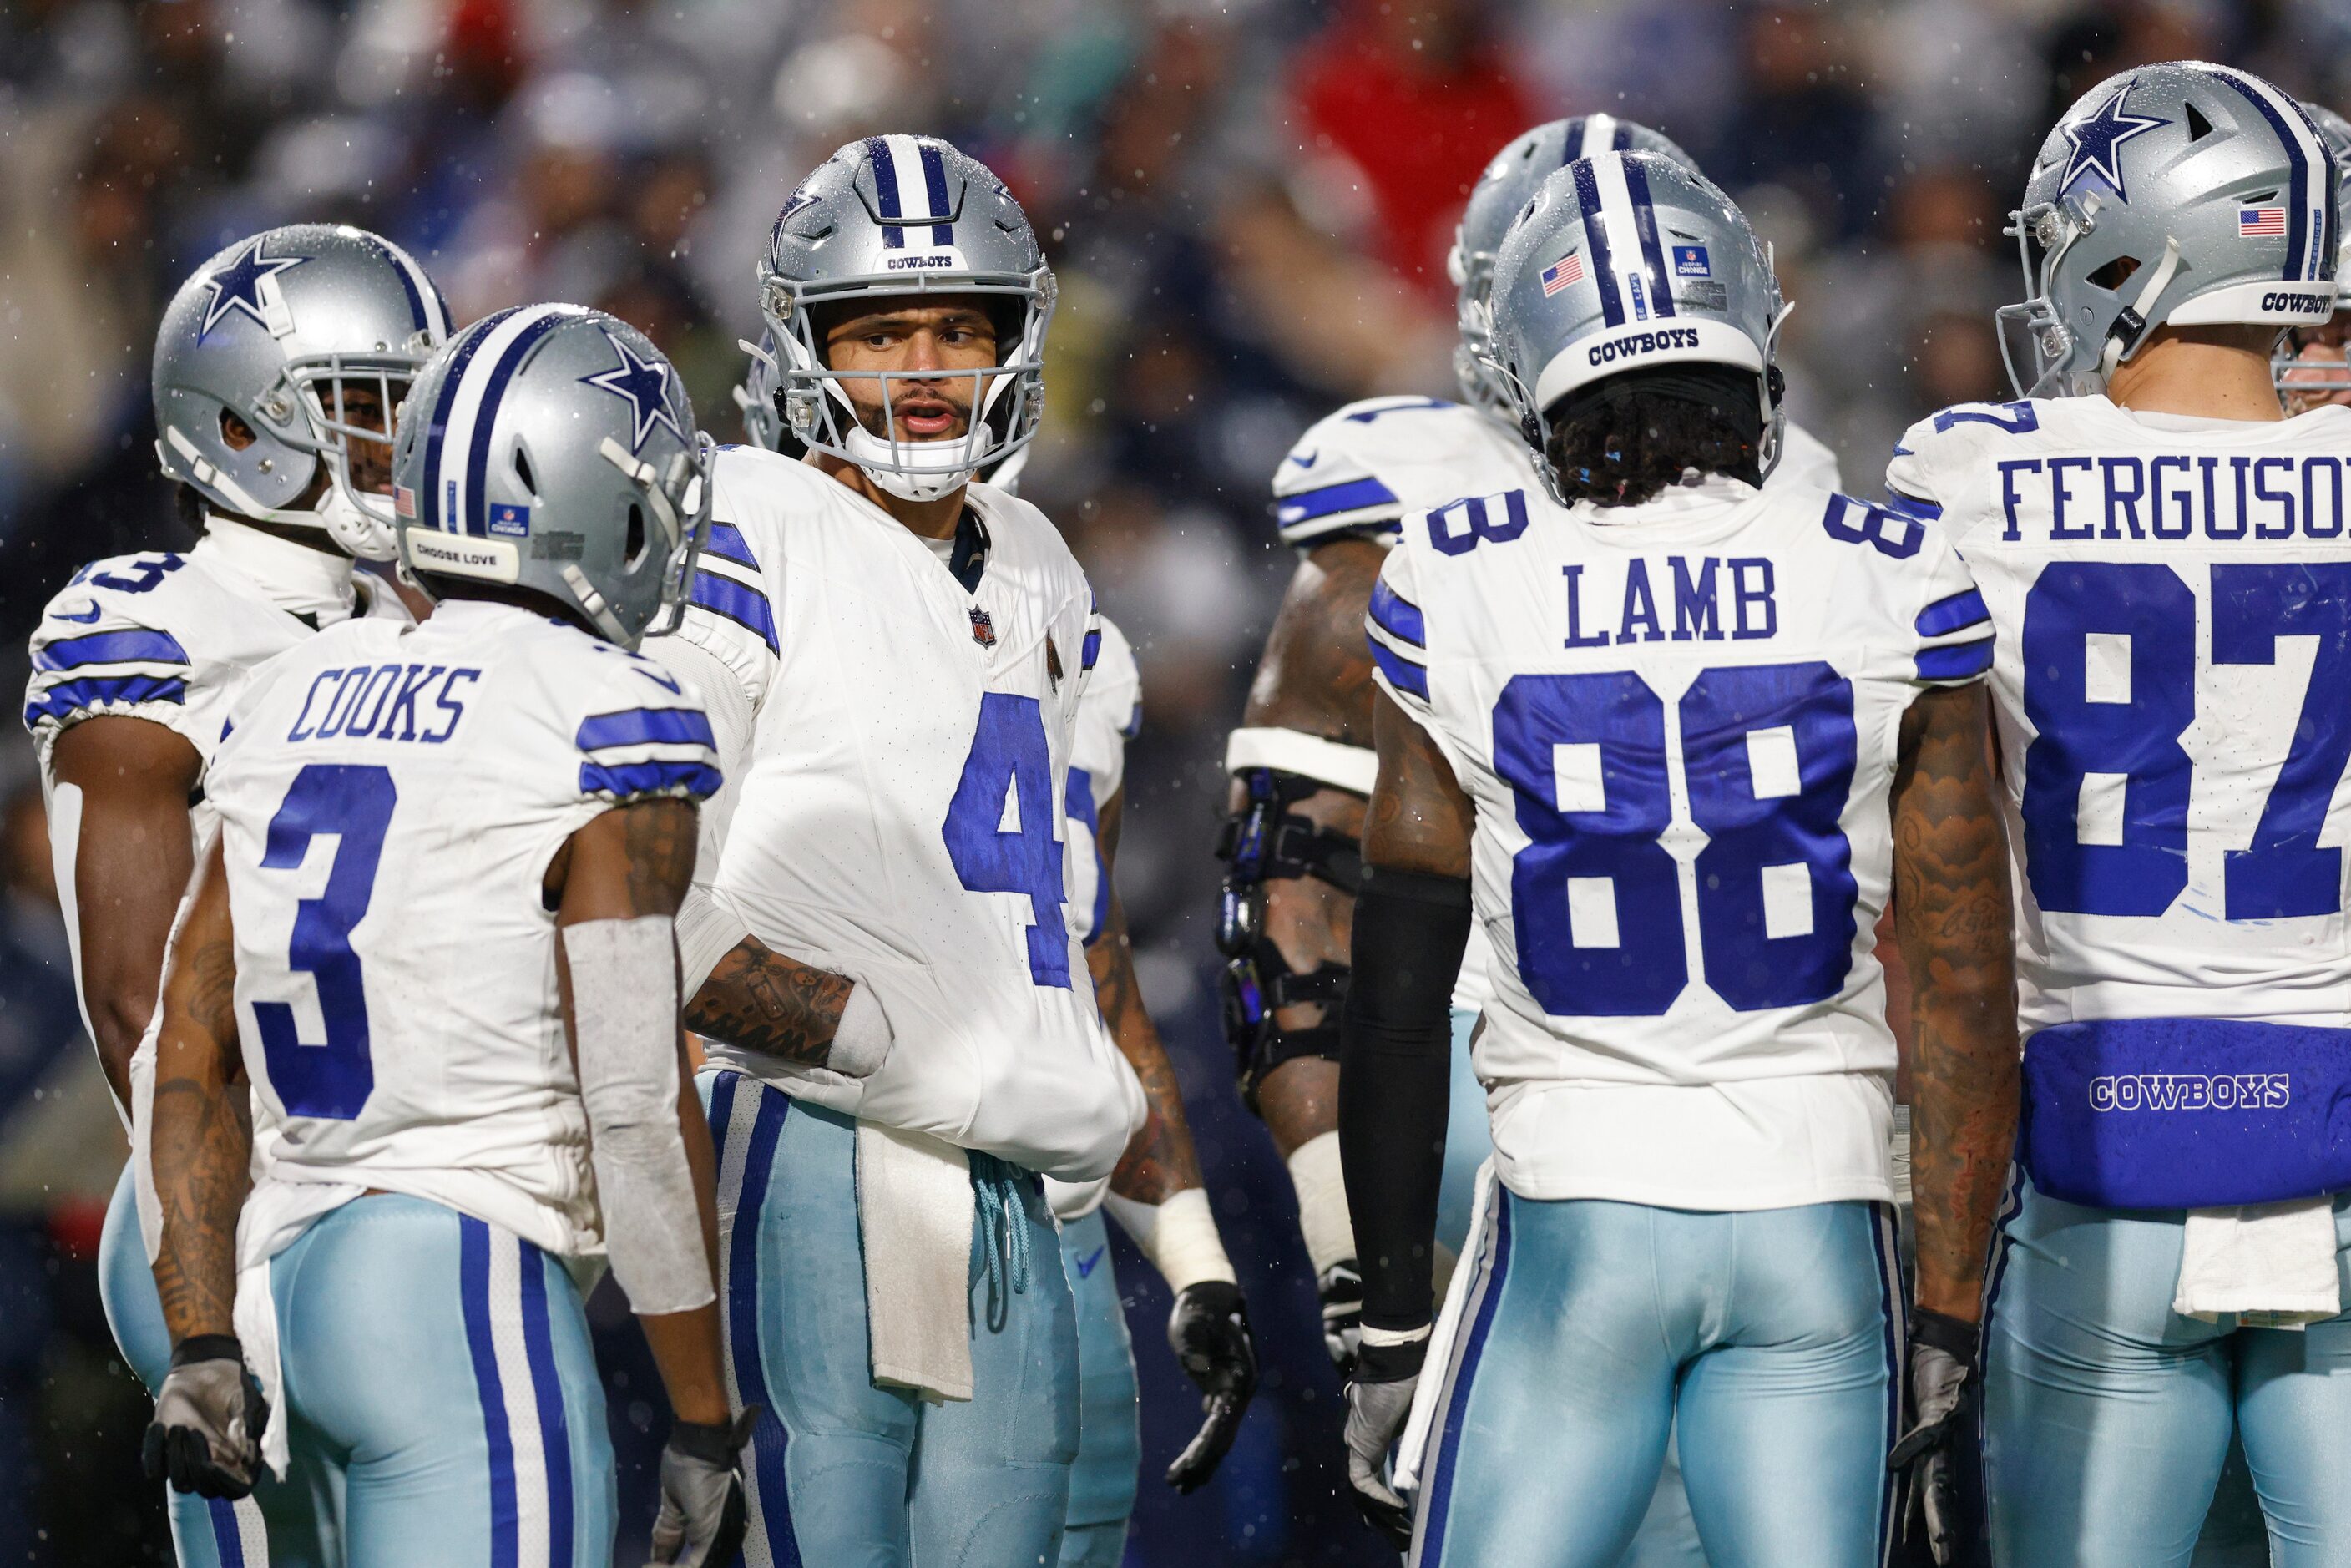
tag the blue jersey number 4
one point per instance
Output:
(1008, 779)
(333, 1079)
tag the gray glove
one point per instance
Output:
(1379, 1399)
(209, 1418)
(701, 1518)
(1942, 1350)
(1341, 1290)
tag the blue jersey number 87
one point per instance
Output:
(1767, 758)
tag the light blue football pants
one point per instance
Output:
(1110, 1431)
(843, 1474)
(1667, 1537)
(2108, 1416)
(205, 1532)
(1768, 1340)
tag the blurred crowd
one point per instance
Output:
(1248, 204)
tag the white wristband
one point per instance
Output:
(1395, 1336)
(1322, 1217)
(1179, 1236)
(708, 928)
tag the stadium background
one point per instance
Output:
(1248, 203)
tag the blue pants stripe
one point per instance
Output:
(554, 1428)
(227, 1539)
(1897, 1336)
(771, 1495)
(474, 1278)
(1440, 1493)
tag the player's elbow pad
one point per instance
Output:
(625, 1027)
(1411, 929)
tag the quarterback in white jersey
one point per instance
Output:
(434, 939)
(276, 367)
(1655, 734)
(2163, 555)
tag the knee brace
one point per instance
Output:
(1266, 841)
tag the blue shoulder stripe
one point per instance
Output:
(746, 607)
(1091, 652)
(1955, 662)
(1911, 505)
(1401, 672)
(72, 696)
(1947, 615)
(726, 542)
(1352, 496)
(136, 646)
(1396, 615)
(645, 727)
(698, 779)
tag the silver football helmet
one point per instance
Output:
(279, 329)
(1501, 193)
(2184, 194)
(551, 447)
(2310, 366)
(893, 217)
(1627, 261)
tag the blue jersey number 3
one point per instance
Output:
(1009, 760)
(331, 1080)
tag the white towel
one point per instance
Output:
(2272, 1264)
(276, 1215)
(914, 1212)
(1420, 1426)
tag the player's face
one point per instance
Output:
(950, 335)
(2319, 360)
(370, 461)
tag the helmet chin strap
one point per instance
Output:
(2130, 325)
(342, 519)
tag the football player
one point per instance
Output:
(1671, 741)
(903, 1038)
(458, 1111)
(1156, 1191)
(276, 369)
(2311, 362)
(2162, 553)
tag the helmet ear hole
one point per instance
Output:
(2116, 273)
(637, 537)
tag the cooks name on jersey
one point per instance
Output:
(386, 702)
(2175, 496)
(1670, 599)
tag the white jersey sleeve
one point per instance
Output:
(1110, 714)
(1365, 468)
(140, 636)
(730, 602)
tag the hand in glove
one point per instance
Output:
(1341, 1288)
(209, 1418)
(701, 1518)
(1942, 1352)
(1379, 1398)
(1209, 1333)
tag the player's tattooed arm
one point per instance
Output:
(761, 1000)
(1160, 1160)
(131, 865)
(200, 1128)
(1953, 910)
(1316, 677)
(1420, 820)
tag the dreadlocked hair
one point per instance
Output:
(1626, 440)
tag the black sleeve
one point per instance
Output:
(1393, 1082)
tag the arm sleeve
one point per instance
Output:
(1395, 1083)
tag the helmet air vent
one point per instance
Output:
(2199, 127)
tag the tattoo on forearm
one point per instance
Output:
(1160, 1160)
(1952, 911)
(764, 1001)
(202, 1141)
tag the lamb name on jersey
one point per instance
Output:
(1678, 733)
(390, 798)
(901, 819)
(1365, 468)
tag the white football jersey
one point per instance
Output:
(1371, 464)
(1110, 714)
(1678, 727)
(2170, 710)
(389, 799)
(903, 816)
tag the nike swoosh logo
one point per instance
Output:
(665, 682)
(84, 619)
(1086, 1264)
(1308, 461)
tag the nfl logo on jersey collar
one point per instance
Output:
(983, 628)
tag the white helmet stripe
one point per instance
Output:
(459, 482)
(2312, 218)
(1641, 285)
(1599, 136)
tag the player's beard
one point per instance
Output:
(876, 423)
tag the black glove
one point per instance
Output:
(209, 1418)
(1379, 1399)
(1209, 1333)
(701, 1518)
(1942, 1353)
(1341, 1289)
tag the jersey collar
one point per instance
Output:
(314, 585)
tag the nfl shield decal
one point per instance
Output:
(983, 630)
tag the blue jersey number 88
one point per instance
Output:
(1603, 831)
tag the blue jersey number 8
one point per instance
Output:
(1633, 958)
(333, 1079)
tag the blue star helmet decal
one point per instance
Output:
(645, 383)
(237, 286)
(2099, 138)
